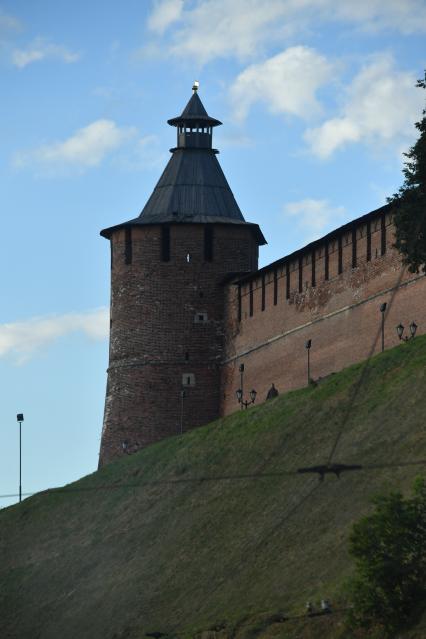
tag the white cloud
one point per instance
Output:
(23, 339)
(380, 107)
(406, 16)
(164, 14)
(145, 154)
(219, 28)
(208, 29)
(40, 50)
(313, 217)
(86, 148)
(286, 83)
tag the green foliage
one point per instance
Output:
(410, 202)
(389, 547)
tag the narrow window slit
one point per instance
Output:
(383, 235)
(368, 241)
(208, 243)
(165, 243)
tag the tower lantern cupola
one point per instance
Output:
(194, 125)
(192, 188)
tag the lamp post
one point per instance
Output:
(20, 419)
(383, 310)
(241, 369)
(400, 330)
(182, 398)
(308, 345)
(245, 402)
(240, 392)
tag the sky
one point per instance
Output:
(318, 101)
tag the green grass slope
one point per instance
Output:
(214, 528)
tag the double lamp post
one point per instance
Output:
(244, 403)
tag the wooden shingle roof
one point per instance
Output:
(193, 188)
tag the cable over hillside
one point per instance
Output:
(230, 528)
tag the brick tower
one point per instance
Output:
(167, 300)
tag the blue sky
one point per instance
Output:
(318, 104)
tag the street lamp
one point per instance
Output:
(308, 345)
(240, 392)
(382, 310)
(20, 419)
(400, 330)
(241, 369)
(182, 399)
(245, 402)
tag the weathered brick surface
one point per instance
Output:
(154, 339)
(341, 316)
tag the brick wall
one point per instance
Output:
(156, 337)
(306, 297)
(329, 292)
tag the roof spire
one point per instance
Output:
(194, 114)
(192, 188)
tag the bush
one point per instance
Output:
(389, 548)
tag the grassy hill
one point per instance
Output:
(214, 530)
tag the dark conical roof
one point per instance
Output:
(194, 113)
(194, 107)
(193, 187)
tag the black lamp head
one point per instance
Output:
(253, 395)
(383, 307)
(400, 330)
(20, 417)
(239, 394)
(308, 343)
(413, 328)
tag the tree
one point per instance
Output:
(410, 202)
(389, 548)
